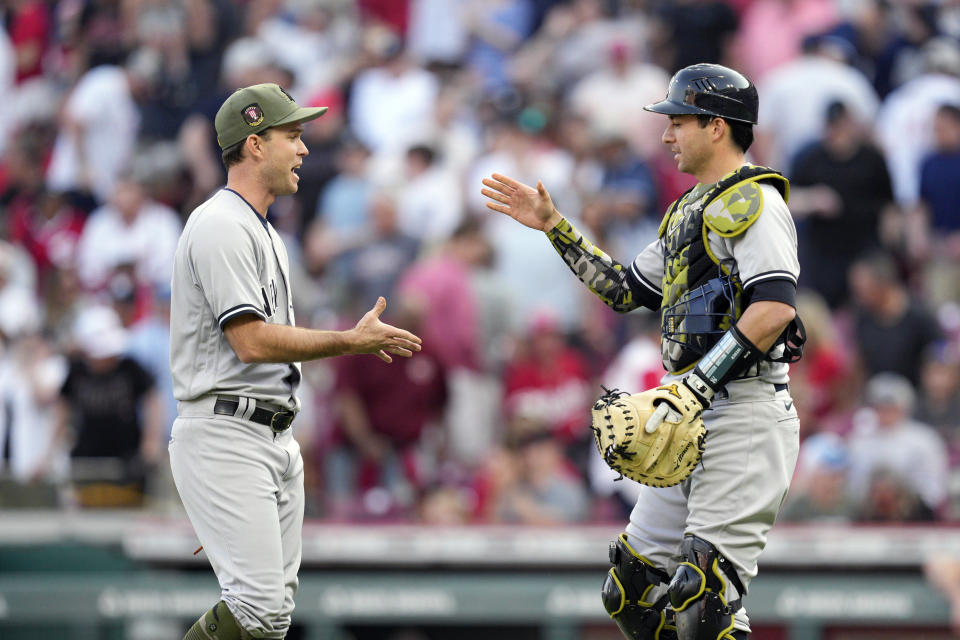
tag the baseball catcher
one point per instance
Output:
(716, 443)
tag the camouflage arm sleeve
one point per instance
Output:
(609, 280)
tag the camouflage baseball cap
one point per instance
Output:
(256, 108)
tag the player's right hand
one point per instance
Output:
(528, 206)
(373, 336)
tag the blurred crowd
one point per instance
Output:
(108, 144)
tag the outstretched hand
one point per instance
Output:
(528, 206)
(382, 339)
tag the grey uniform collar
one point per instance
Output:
(261, 218)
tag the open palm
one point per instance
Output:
(528, 206)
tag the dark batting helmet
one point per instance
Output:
(711, 90)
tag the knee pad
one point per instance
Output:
(628, 594)
(699, 591)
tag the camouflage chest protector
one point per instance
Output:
(702, 295)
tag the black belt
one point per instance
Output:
(277, 419)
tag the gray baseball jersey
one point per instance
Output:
(229, 262)
(766, 250)
(241, 484)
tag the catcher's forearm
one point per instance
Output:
(740, 348)
(603, 275)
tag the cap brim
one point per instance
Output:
(670, 108)
(303, 114)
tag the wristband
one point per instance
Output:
(730, 357)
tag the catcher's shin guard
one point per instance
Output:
(628, 594)
(699, 592)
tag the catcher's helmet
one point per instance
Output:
(712, 90)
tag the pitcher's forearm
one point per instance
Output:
(258, 341)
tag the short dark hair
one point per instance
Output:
(740, 132)
(234, 155)
(950, 111)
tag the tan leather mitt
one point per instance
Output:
(652, 444)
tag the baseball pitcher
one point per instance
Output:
(717, 442)
(235, 357)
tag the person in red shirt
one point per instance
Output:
(547, 382)
(29, 29)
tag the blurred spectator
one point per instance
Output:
(575, 40)
(102, 107)
(373, 269)
(796, 96)
(110, 412)
(841, 191)
(131, 228)
(181, 35)
(148, 335)
(772, 31)
(518, 152)
(822, 383)
(437, 31)
(939, 401)
(893, 457)
(694, 31)
(496, 28)
(892, 327)
(609, 97)
(934, 240)
(344, 208)
(546, 383)
(902, 59)
(246, 61)
(30, 27)
(47, 226)
(464, 322)
(389, 100)
(31, 373)
(903, 122)
(325, 33)
(531, 483)
(819, 490)
(430, 205)
(384, 413)
(324, 139)
(629, 190)
(889, 498)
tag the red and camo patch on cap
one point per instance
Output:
(252, 114)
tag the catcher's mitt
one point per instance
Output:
(662, 458)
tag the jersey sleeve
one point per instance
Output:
(226, 263)
(766, 253)
(646, 271)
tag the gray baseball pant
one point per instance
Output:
(733, 496)
(242, 488)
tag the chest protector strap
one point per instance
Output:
(702, 297)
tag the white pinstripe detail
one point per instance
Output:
(244, 309)
(248, 407)
(771, 275)
(643, 281)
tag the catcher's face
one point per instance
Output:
(689, 143)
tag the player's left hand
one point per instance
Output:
(381, 339)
